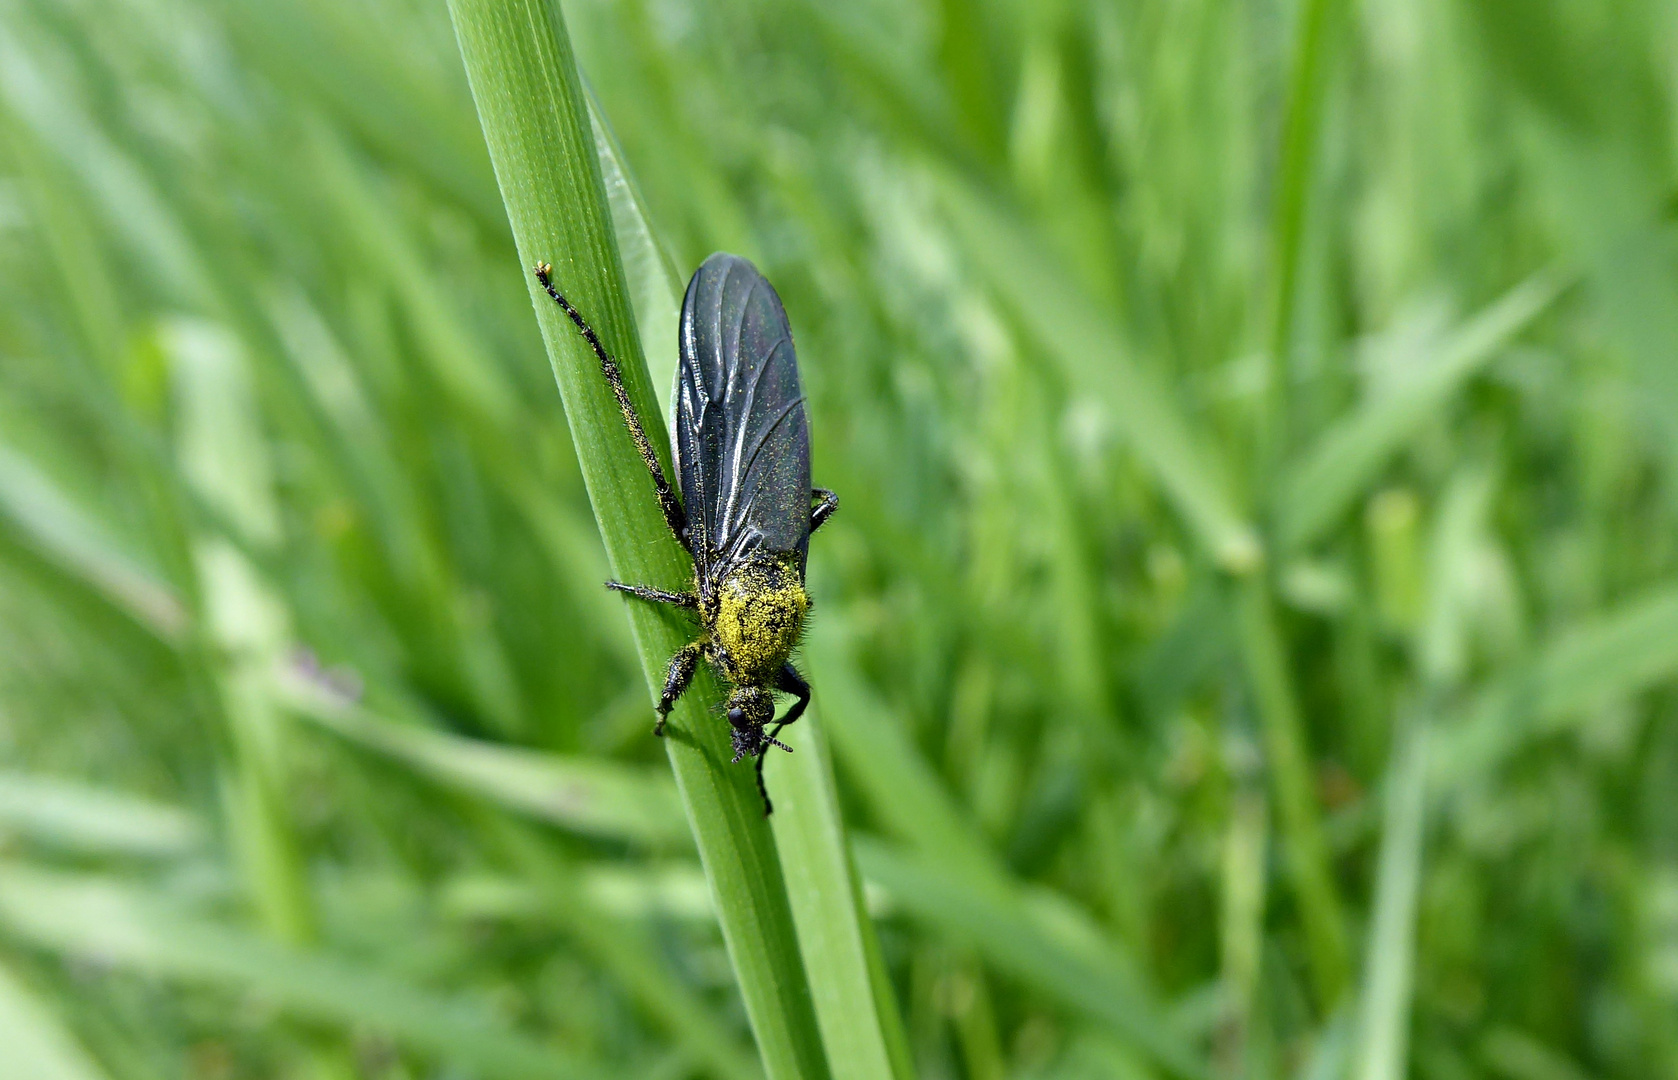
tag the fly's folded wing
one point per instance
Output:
(741, 438)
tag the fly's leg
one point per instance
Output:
(791, 682)
(674, 516)
(656, 596)
(676, 680)
(827, 503)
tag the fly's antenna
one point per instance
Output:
(770, 740)
(674, 515)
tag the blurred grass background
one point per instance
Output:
(1247, 645)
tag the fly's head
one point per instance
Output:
(750, 709)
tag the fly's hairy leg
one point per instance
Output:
(791, 682)
(827, 503)
(656, 596)
(674, 516)
(676, 679)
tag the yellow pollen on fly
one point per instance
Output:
(759, 616)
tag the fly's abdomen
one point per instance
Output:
(759, 615)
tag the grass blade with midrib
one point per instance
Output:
(530, 102)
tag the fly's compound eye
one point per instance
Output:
(736, 717)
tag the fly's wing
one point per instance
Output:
(741, 439)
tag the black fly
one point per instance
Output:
(742, 451)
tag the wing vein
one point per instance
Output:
(748, 408)
(761, 443)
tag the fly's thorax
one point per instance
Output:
(757, 615)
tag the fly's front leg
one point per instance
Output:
(676, 679)
(827, 502)
(789, 681)
(674, 516)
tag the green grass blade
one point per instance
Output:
(598, 798)
(901, 788)
(96, 917)
(630, 954)
(833, 926)
(529, 100)
(1521, 1056)
(458, 358)
(1091, 350)
(67, 228)
(1009, 938)
(1288, 762)
(886, 1005)
(402, 107)
(1301, 124)
(1389, 966)
(857, 1015)
(1621, 652)
(663, 890)
(1350, 455)
(66, 535)
(1244, 884)
(83, 818)
(903, 793)
(655, 288)
(225, 460)
(1329, 1058)
(133, 208)
(38, 1045)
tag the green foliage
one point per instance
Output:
(1247, 646)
